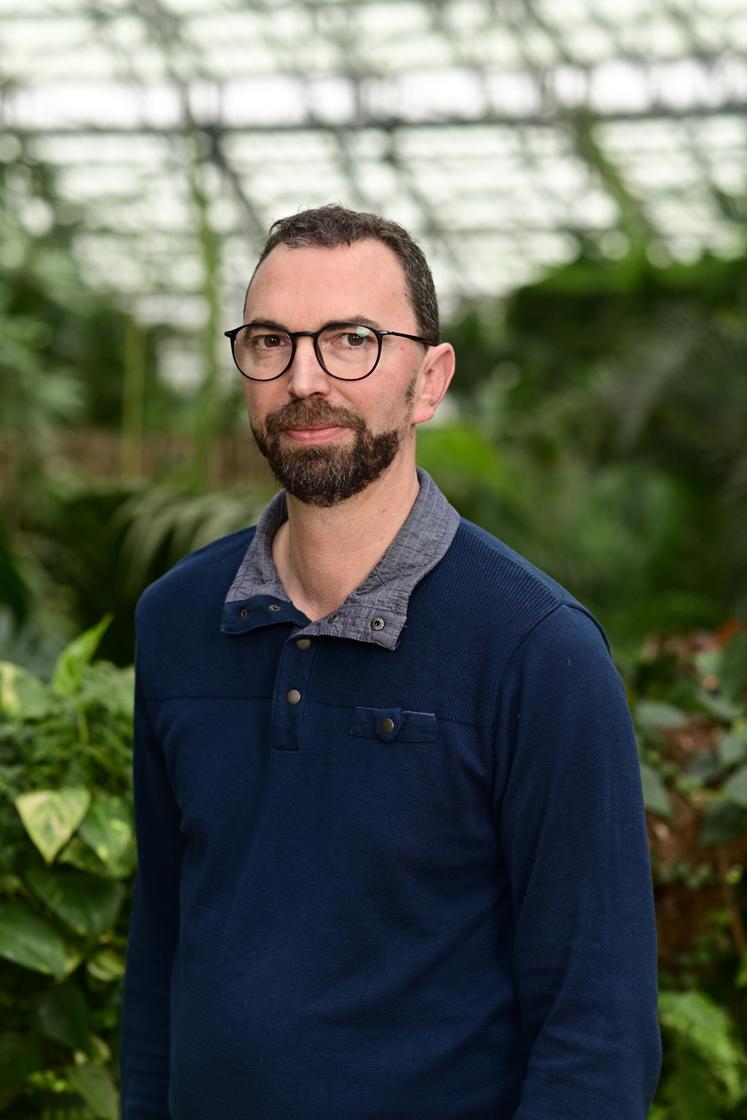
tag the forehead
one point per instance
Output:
(305, 287)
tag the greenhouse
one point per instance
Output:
(576, 175)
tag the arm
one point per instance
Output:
(144, 1051)
(569, 803)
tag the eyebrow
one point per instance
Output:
(364, 320)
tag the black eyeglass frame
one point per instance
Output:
(293, 335)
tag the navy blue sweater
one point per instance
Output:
(420, 891)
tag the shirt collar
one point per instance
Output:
(376, 611)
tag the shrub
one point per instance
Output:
(67, 856)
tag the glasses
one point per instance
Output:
(348, 351)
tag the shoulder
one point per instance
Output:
(200, 580)
(490, 583)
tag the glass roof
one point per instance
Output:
(504, 135)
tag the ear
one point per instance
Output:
(433, 381)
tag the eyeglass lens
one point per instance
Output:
(348, 350)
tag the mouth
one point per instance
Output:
(313, 435)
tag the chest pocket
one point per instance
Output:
(394, 725)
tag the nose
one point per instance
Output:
(305, 376)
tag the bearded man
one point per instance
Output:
(392, 857)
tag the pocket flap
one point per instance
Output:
(394, 725)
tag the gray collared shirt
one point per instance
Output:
(376, 611)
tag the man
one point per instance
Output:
(392, 861)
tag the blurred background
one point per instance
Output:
(576, 173)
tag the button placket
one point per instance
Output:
(291, 692)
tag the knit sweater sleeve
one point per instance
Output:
(144, 1039)
(570, 811)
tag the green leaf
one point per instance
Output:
(22, 695)
(78, 854)
(101, 1051)
(722, 821)
(61, 1013)
(88, 905)
(52, 816)
(111, 687)
(96, 1087)
(653, 715)
(716, 705)
(107, 828)
(734, 666)
(19, 1056)
(704, 767)
(736, 787)
(732, 748)
(107, 965)
(709, 1034)
(68, 670)
(29, 941)
(708, 662)
(655, 794)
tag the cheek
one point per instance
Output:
(259, 400)
(396, 416)
(247, 390)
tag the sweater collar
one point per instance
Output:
(376, 611)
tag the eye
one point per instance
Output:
(268, 341)
(352, 337)
(357, 339)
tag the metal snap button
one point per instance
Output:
(243, 612)
(273, 607)
(293, 696)
(333, 618)
(377, 624)
(387, 726)
(303, 643)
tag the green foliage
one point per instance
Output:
(690, 709)
(164, 523)
(70, 354)
(706, 1063)
(63, 342)
(13, 590)
(52, 816)
(67, 858)
(614, 392)
(696, 703)
(101, 545)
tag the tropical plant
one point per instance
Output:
(614, 394)
(66, 859)
(690, 707)
(705, 1067)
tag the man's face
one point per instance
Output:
(327, 439)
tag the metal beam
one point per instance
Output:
(730, 108)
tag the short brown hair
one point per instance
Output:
(333, 225)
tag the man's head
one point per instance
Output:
(329, 227)
(328, 422)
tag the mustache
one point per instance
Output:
(312, 413)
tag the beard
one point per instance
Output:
(324, 474)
